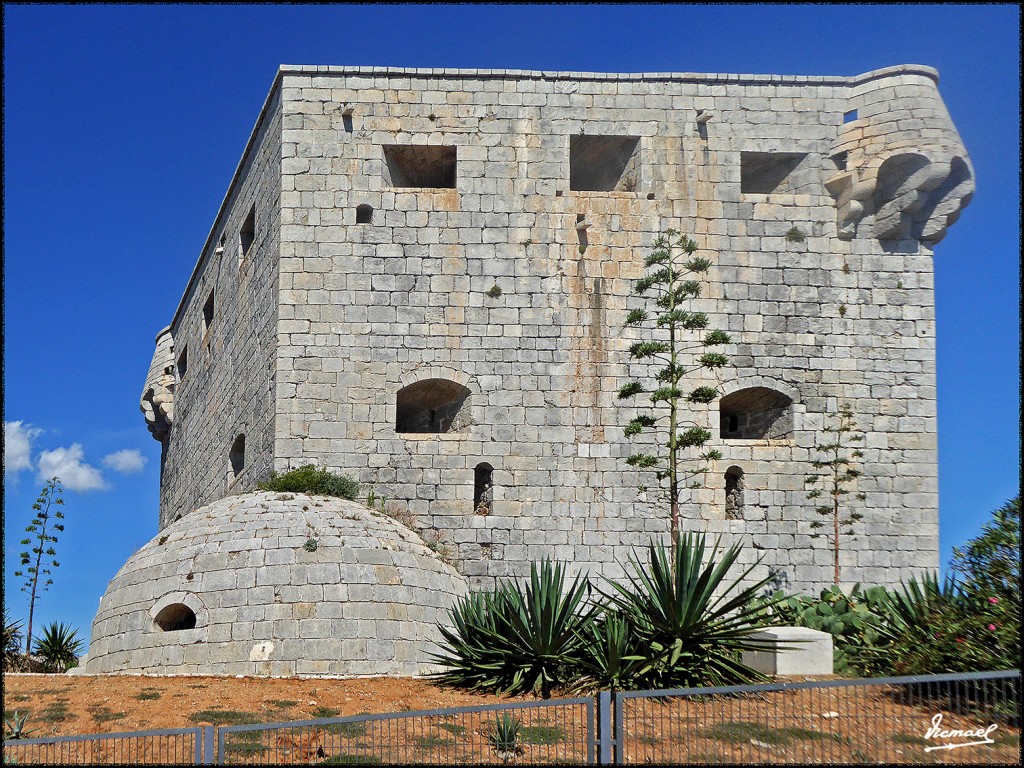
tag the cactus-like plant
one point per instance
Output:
(16, 725)
(504, 737)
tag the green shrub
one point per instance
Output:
(946, 628)
(691, 624)
(513, 640)
(314, 481)
(858, 622)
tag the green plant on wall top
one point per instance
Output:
(679, 340)
(312, 480)
(834, 473)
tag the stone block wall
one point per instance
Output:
(512, 284)
(228, 388)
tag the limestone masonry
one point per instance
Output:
(420, 278)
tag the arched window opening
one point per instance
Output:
(483, 489)
(432, 406)
(756, 413)
(364, 214)
(734, 493)
(175, 618)
(237, 456)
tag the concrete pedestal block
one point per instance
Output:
(791, 651)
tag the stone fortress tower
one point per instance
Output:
(419, 278)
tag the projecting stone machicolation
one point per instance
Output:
(419, 278)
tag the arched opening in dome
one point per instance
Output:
(175, 617)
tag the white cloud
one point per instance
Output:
(18, 439)
(128, 460)
(67, 464)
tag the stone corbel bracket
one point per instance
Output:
(157, 402)
(900, 161)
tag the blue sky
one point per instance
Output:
(123, 125)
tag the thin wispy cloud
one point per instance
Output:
(67, 464)
(128, 461)
(18, 438)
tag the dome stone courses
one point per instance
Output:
(278, 584)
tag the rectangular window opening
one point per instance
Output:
(247, 234)
(604, 163)
(766, 173)
(182, 366)
(849, 117)
(208, 313)
(429, 167)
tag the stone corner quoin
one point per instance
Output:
(419, 278)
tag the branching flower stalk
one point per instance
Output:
(42, 528)
(835, 471)
(673, 277)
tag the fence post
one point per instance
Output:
(208, 745)
(604, 728)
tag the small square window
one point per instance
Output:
(604, 163)
(429, 166)
(849, 117)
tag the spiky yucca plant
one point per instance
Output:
(513, 641)
(12, 644)
(59, 647)
(691, 622)
(504, 737)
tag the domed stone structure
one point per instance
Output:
(276, 584)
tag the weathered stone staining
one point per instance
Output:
(420, 277)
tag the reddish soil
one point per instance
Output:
(116, 703)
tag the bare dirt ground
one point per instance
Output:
(62, 705)
(806, 726)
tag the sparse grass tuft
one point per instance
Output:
(56, 712)
(322, 711)
(224, 717)
(104, 714)
(147, 694)
(542, 734)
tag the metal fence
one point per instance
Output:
(558, 731)
(966, 718)
(887, 720)
(181, 746)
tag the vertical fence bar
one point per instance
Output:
(604, 732)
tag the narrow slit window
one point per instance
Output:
(182, 365)
(483, 489)
(849, 117)
(247, 234)
(236, 456)
(734, 493)
(208, 309)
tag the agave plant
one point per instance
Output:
(504, 737)
(612, 656)
(690, 622)
(12, 644)
(59, 647)
(16, 726)
(513, 640)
